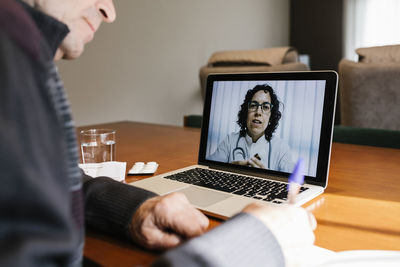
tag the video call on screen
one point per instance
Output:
(297, 134)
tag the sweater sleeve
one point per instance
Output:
(110, 205)
(242, 241)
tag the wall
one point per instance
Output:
(144, 67)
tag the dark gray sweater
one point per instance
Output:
(42, 196)
(41, 192)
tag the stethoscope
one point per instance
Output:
(240, 152)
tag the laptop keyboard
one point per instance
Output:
(266, 190)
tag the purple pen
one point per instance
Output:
(296, 179)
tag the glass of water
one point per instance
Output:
(97, 145)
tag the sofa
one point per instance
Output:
(369, 89)
(259, 60)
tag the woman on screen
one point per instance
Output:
(254, 145)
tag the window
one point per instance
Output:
(370, 23)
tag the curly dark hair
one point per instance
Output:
(275, 113)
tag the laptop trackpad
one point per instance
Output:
(201, 197)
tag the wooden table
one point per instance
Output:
(360, 209)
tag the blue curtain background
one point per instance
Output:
(300, 125)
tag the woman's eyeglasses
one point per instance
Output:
(265, 107)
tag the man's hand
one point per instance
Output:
(165, 221)
(292, 227)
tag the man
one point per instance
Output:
(41, 192)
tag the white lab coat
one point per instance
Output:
(281, 156)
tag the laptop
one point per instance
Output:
(255, 127)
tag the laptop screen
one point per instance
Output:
(266, 122)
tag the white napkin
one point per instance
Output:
(113, 169)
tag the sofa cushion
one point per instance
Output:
(379, 54)
(264, 57)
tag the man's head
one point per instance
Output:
(83, 18)
(259, 114)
